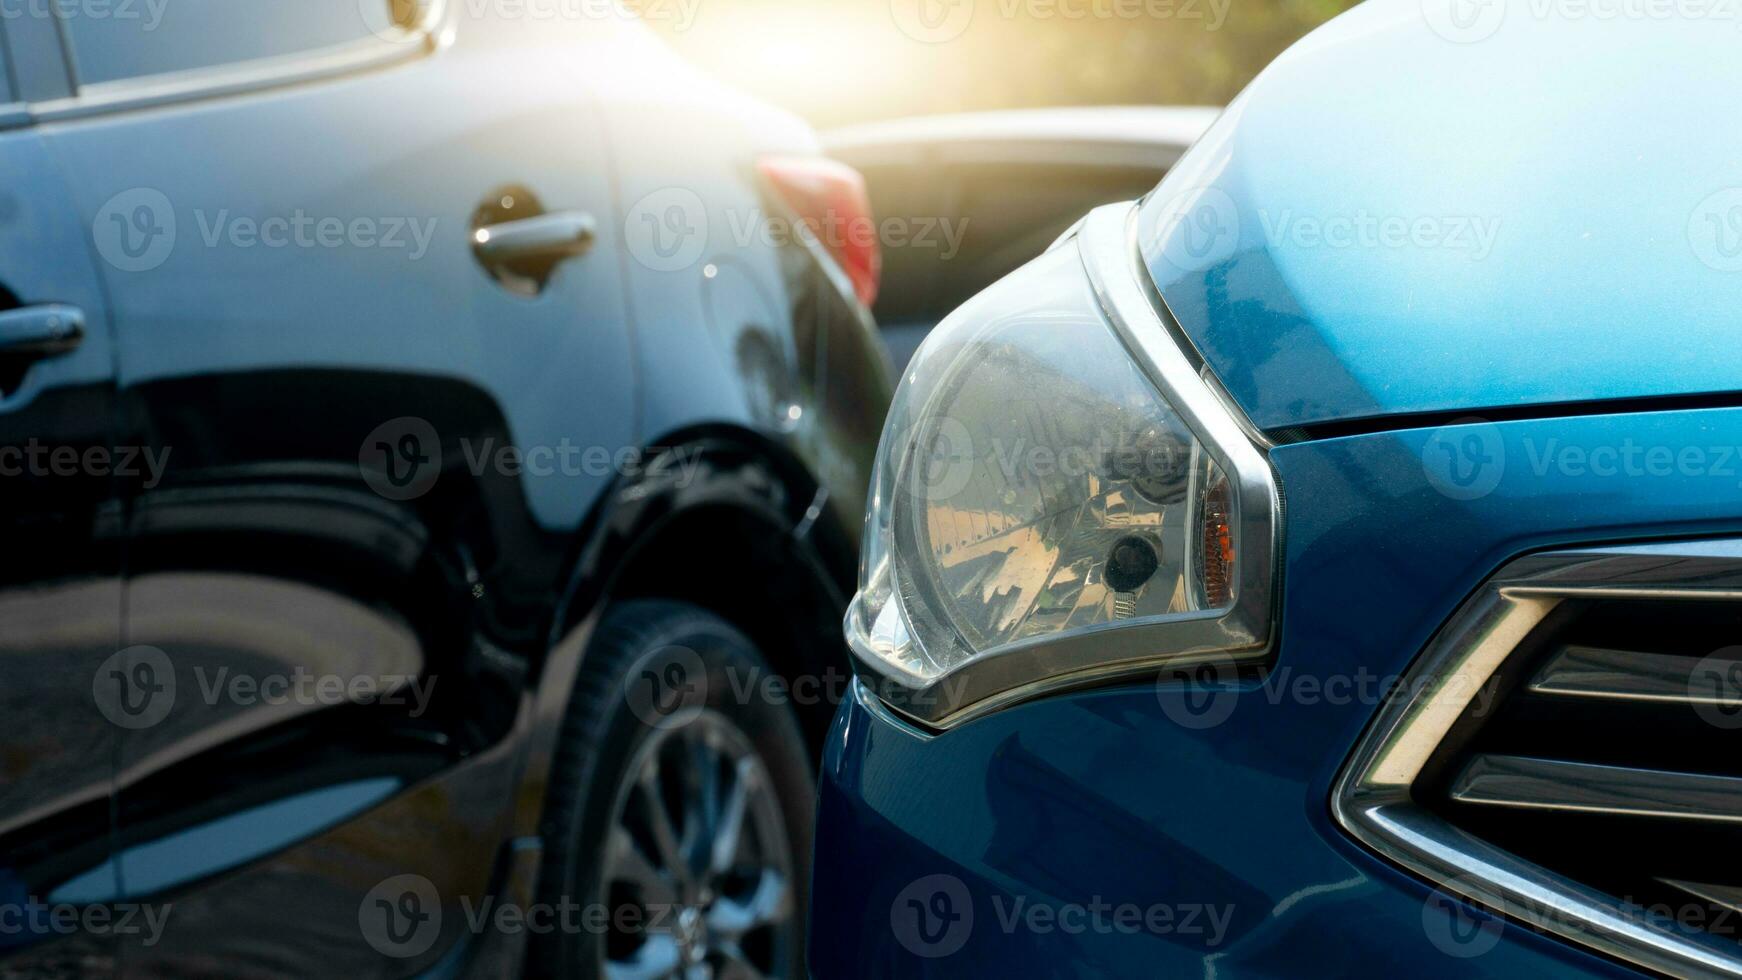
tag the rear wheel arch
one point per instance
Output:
(728, 521)
(750, 537)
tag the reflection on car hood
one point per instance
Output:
(1442, 206)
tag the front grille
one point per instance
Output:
(1569, 752)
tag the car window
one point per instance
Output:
(154, 38)
(5, 73)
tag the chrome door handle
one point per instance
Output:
(36, 332)
(564, 235)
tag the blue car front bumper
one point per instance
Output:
(1166, 830)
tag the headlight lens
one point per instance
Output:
(1038, 483)
(1034, 483)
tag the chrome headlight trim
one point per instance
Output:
(1041, 665)
(1373, 799)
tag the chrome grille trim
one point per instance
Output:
(1373, 800)
(1723, 896)
(1622, 675)
(1553, 784)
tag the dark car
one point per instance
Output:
(420, 495)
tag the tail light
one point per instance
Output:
(829, 199)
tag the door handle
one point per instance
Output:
(36, 332)
(523, 253)
(564, 235)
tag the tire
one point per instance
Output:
(674, 690)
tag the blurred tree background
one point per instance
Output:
(844, 61)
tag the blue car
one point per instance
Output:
(1330, 564)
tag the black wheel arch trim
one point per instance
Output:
(698, 469)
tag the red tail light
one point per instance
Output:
(829, 198)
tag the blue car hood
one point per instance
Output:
(1433, 206)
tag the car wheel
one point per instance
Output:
(678, 822)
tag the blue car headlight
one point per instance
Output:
(1060, 498)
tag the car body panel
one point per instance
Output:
(1179, 795)
(737, 320)
(1601, 266)
(61, 589)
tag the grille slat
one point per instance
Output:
(1723, 896)
(1626, 675)
(1553, 784)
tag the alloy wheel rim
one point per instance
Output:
(697, 873)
